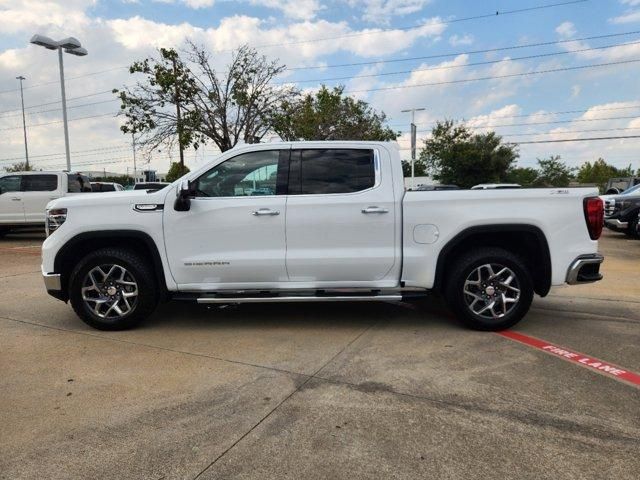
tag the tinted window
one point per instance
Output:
(334, 171)
(40, 183)
(248, 174)
(79, 183)
(10, 183)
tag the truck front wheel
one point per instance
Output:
(489, 289)
(112, 289)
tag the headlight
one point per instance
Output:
(54, 218)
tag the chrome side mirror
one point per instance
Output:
(184, 192)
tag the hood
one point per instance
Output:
(109, 199)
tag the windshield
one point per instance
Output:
(631, 190)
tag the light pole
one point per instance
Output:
(24, 125)
(69, 45)
(413, 140)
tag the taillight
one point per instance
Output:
(594, 216)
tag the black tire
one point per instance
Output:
(136, 268)
(466, 267)
(3, 231)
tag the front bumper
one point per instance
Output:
(585, 269)
(53, 284)
(616, 224)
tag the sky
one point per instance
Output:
(532, 70)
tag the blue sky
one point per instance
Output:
(384, 33)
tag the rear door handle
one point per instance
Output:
(16, 199)
(265, 211)
(374, 209)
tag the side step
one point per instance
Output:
(302, 298)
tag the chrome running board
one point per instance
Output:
(301, 298)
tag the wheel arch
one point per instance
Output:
(80, 245)
(528, 241)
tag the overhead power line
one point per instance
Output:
(37, 112)
(591, 130)
(494, 14)
(524, 115)
(76, 153)
(552, 122)
(496, 77)
(579, 139)
(466, 52)
(475, 64)
(60, 121)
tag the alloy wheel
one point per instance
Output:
(491, 291)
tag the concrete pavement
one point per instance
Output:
(317, 391)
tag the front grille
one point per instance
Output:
(609, 207)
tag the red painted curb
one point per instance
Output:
(578, 358)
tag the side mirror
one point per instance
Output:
(183, 197)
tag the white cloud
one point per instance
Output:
(628, 17)
(457, 40)
(296, 9)
(631, 3)
(575, 91)
(199, 3)
(381, 11)
(566, 30)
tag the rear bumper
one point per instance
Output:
(585, 269)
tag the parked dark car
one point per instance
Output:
(621, 214)
(106, 187)
(431, 188)
(150, 185)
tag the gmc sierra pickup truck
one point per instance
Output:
(317, 221)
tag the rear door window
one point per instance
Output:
(40, 183)
(325, 171)
(10, 183)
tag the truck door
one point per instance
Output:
(38, 190)
(234, 233)
(11, 206)
(341, 218)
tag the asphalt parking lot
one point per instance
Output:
(319, 390)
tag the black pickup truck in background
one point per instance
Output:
(621, 214)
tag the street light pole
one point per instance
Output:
(24, 126)
(133, 145)
(413, 141)
(72, 46)
(64, 110)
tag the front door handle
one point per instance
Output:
(16, 199)
(265, 211)
(374, 209)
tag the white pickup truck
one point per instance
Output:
(24, 196)
(317, 221)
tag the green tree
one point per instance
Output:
(419, 168)
(175, 171)
(553, 172)
(20, 167)
(600, 172)
(223, 108)
(525, 176)
(330, 115)
(454, 155)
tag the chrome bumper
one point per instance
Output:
(617, 224)
(585, 269)
(52, 281)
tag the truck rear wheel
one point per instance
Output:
(113, 289)
(489, 289)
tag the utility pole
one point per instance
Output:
(133, 145)
(64, 111)
(413, 141)
(178, 114)
(24, 125)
